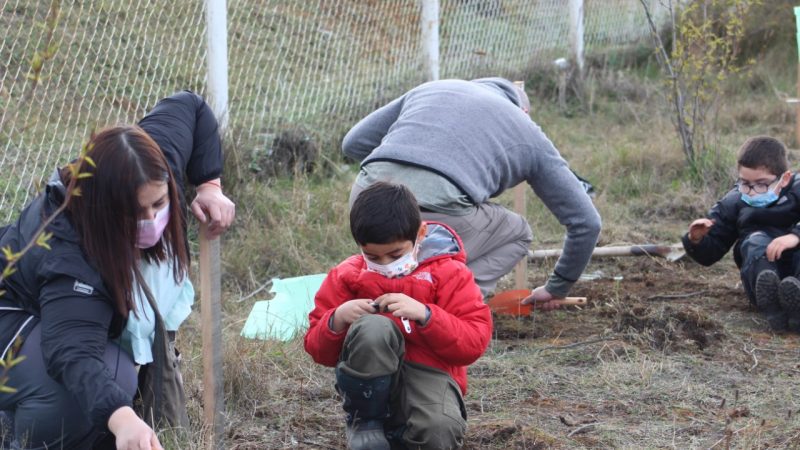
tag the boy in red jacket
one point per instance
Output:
(400, 322)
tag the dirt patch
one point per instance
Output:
(508, 434)
(670, 342)
(647, 302)
(667, 328)
(509, 328)
(292, 151)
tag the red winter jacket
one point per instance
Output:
(460, 326)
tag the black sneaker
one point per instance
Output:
(767, 299)
(789, 297)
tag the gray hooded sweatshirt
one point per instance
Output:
(475, 135)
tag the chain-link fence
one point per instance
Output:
(68, 67)
(311, 68)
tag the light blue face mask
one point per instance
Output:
(760, 200)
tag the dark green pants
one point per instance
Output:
(426, 407)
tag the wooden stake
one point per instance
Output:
(521, 270)
(211, 318)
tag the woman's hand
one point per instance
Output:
(131, 431)
(401, 305)
(212, 207)
(348, 312)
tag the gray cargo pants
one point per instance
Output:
(495, 240)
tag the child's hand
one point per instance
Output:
(348, 312)
(779, 244)
(401, 305)
(699, 229)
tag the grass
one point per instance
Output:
(633, 370)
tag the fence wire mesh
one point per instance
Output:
(310, 69)
(68, 67)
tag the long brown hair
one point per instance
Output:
(105, 214)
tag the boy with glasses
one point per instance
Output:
(759, 218)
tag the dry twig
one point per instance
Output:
(318, 444)
(583, 429)
(578, 344)
(674, 296)
(259, 289)
(752, 353)
(728, 436)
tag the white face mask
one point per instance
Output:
(400, 267)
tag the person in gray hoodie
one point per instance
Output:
(457, 144)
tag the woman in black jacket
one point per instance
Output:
(67, 303)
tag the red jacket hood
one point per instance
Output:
(439, 242)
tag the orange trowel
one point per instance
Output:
(507, 303)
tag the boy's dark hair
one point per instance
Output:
(763, 151)
(384, 213)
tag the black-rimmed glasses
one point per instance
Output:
(759, 188)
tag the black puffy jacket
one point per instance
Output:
(734, 220)
(62, 291)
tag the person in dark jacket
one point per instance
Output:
(64, 305)
(456, 144)
(759, 219)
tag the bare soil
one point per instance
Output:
(666, 355)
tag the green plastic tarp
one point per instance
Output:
(286, 315)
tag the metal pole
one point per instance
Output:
(217, 41)
(210, 278)
(429, 23)
(576, 33)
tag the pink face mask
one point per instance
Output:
(149, 231)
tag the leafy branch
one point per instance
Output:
(37, 63)
(7, 363)
(41, 238)
(49, 47)
(705, 36)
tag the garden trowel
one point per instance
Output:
(507, 303)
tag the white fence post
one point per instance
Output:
(576, 33)
(429, 23)
(210, 268)
(217, 40)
